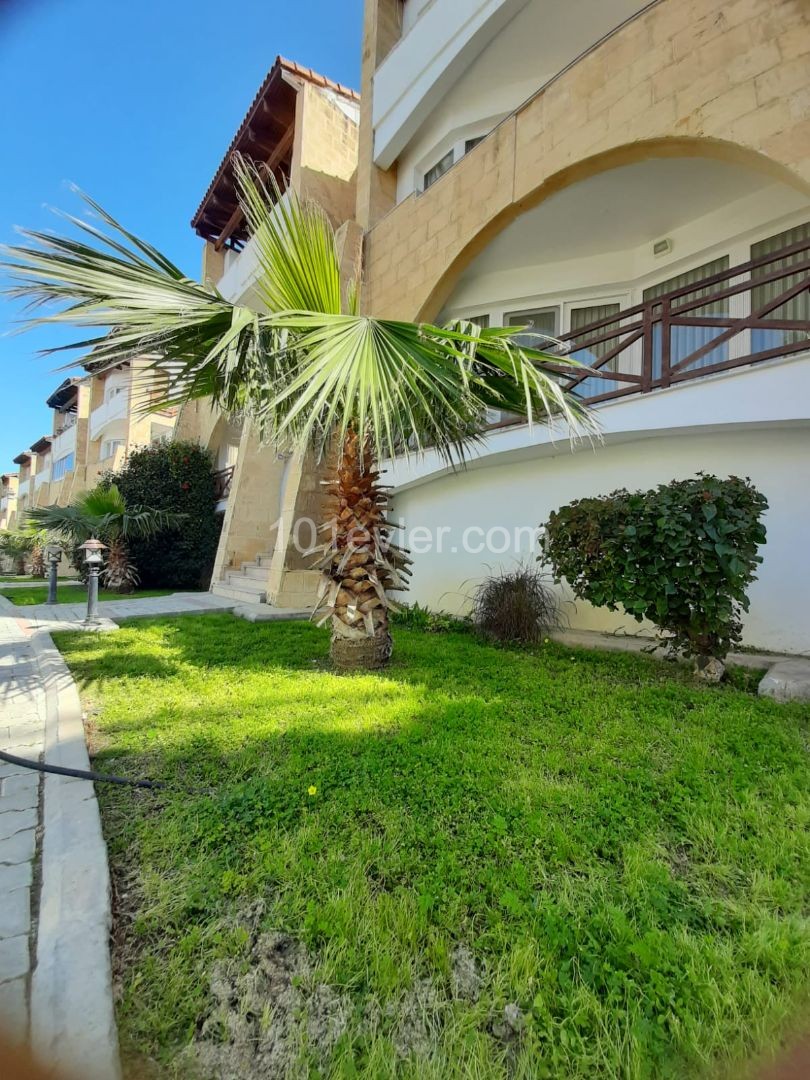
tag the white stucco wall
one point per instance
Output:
(751, 423)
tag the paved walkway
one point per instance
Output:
(55, 978)
(22, 732)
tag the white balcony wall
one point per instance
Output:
(64, 443)
(113, 409)
(43, 475)
(465, 64)
(22, 490)
(242, 270)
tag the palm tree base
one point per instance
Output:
(366, 653)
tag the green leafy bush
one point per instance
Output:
(681, 555)
(179, 477)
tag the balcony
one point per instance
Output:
(113, 409)
(738, 317)
(23, 488)
(65, 442)
(43, 476)
(462, 60)
(223, 479)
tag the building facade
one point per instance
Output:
(304, 129)
(96, 420)
(632, 178)
(8, 499)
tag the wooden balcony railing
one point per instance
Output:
(741, 316)
(222, 482)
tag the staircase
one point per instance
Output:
(248, 585)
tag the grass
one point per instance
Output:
(616, 856)
(73, 594)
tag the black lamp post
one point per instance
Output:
(92, 549)
(54, 553)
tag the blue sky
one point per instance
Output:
(135, 103)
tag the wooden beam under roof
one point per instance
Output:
(235, 220)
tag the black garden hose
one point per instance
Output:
(80, 774)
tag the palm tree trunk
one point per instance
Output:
(119, 575)
(38, 568)
(359, 563)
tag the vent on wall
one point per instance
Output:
(662, 247)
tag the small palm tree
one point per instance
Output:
(39, 538)
(16, 545)
(103, 513)
(309, 370)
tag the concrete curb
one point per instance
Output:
(72, 1016)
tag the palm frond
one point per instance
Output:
(305, 368)
(102, 512)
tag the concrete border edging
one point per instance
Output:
(72, 1015)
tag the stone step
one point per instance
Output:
(251, 570)
(264, 558)
(240, 581)
(242, 595)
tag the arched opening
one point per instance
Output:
(627, 238)
(677, 180)
(224, 446)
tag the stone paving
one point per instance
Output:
(22, 732)
(50, 617)
(55, 982)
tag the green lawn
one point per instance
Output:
(16, 577)
(481, 863)
(73, 594)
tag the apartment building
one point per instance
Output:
(632, 178)
(304, 128)
(96, 420)
(8, 500)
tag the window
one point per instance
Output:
(63, 466)
(580, 318)
(108, 448)
(478, 320)
(437, 170)
(113, 391)
(470, 144)
(797, 308)
(540, 323)
(687, 339)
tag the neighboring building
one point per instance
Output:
(635, 178)
(117, 421)
(8, 500)
(97, 419)
(304, 128)
(25, 485)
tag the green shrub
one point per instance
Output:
(177, 476)
(415, 617)
(681, 555)
(515, 606)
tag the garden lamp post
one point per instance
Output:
(92, 549)
(54, 554)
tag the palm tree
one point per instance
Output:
(16, 545)
(309, 370)
(39, 539)
(103, 513)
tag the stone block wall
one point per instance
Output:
(723, 78)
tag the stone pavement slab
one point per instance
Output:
(55, 975)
